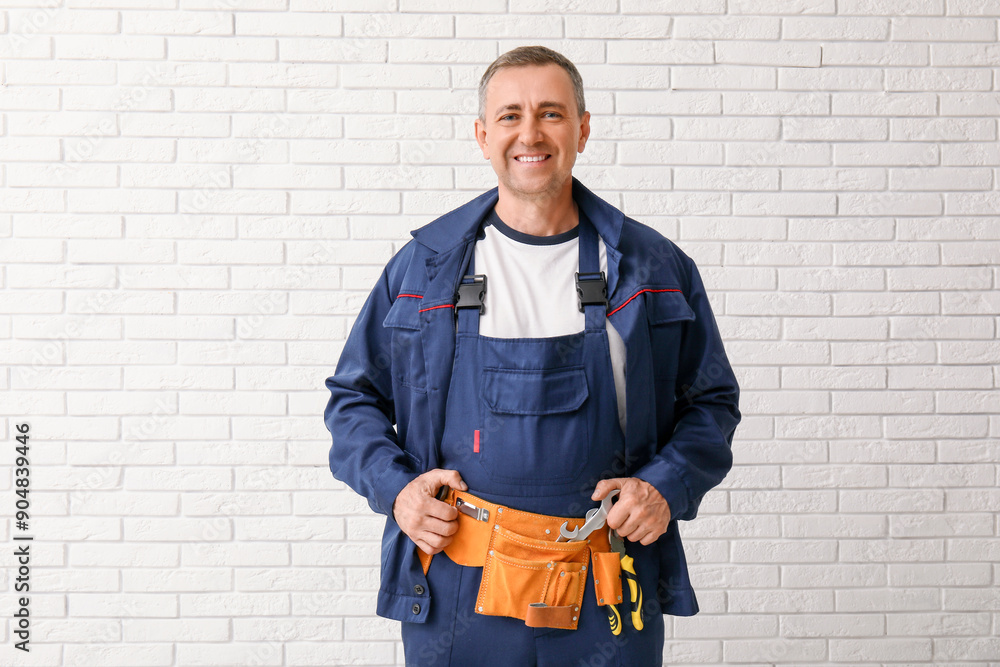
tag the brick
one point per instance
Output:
(175, 23)
(942, 129)
(670, 6)
(508, 26)
(937, 29)
(137, 630)
(284, 75)
(780, 102)
(901, 402)
(726, 27)
(53, 276)
(828, 79)
(884, 648)
(938, 278)
(937, 78)
(835, 28)
(793, 7)
(724, 77)
(672, 152)
(941, 178)
(796, 651)
(890, 153)
(727, 626)
(749, 203)
(82, 353)
(803, 304)
(623, 27)
(826, 476)
(833, 625)
(833, 179)
(825, 426)
(740, 178)
(727, 128)
(223, 48)
(778, 54)
(748, 153)
(892, 500)
(797, 551)
(441, 51)
(891, 54)
(972, 599)
(830, 278)
(836, 575)
(889, 204)
(60, 73)
(854, 526)
(660, 51)
(887, 600)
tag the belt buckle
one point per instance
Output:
(477, 513)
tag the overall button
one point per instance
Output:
(415, 609)
(419, 590)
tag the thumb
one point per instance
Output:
(606, 486)
(440, 477)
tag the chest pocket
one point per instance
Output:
(407, 352)
(667, 313)
(535, 423)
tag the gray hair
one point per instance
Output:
(523, 56)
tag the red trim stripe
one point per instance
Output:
(447, 305)
(637, 294)
(475, 445)
(415, 296)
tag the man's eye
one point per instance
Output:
(509, 116)
(553, 114)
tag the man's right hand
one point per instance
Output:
(430, 523)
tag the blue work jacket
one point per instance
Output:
(681, 394)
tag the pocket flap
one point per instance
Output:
(534, 392)
(663, 307)
(404, 314)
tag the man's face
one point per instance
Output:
(533, 130)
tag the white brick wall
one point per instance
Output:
(198, 194)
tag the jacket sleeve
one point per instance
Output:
(698, 454)
(365, 453)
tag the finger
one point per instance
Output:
(440, 510)
(606, 486)
(435, 526)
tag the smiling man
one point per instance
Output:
(561, 399)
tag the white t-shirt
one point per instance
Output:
(531, 290)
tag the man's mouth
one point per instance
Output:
(532, 158)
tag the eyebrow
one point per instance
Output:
(542, 105)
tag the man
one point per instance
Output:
(538, 352)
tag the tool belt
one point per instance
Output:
(526, 573)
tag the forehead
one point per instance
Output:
(511, 83)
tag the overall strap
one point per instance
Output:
(470, 294)
(591, 283)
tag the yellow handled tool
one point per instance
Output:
(615, 619)
(628, 571)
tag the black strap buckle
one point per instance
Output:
(591, 290)
(472, 295)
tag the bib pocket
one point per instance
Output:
(535, 426)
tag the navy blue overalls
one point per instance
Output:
(547, 420)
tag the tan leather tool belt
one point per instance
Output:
(526, 573)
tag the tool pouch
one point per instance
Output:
(540, 582)
(607, 577)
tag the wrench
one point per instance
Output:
(595, 519)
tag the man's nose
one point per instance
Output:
(531, 131)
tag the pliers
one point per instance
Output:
(635, 590)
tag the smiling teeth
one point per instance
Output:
(531, 159)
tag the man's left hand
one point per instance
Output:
(640, 513)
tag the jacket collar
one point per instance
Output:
(460, 225)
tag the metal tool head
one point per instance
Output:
(596, 518)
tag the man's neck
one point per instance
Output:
(542, 217)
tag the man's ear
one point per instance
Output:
(584, 131)
(480, 130)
